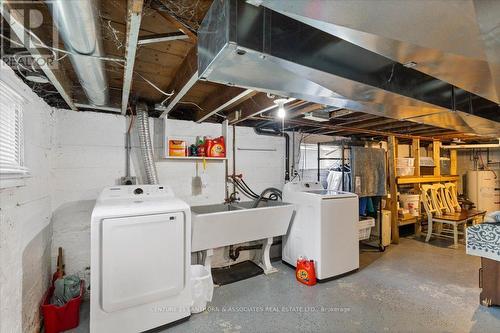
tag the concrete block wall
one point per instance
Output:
(25, 219)
(89, 155)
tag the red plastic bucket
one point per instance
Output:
(61, 318)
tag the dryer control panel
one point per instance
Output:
(136, 192)
(302, 186)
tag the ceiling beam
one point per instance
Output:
(134, 16)
(178, 25)
(399, 124)
(55, 75)
(307, 108)
(229, 97)
(359, 119)
(339, 128)
(185, 77)
(160, 38)
(254, 106)
(430, 130)
(378, 122)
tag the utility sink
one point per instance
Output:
(221, 225)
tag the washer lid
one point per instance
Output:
(331, 194)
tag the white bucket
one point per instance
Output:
(410, 202)
(202, 288)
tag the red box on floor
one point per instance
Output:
(61, 318)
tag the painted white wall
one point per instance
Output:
(25, 217)
(89, 155)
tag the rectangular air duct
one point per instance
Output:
(257, 48)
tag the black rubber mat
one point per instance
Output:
(235, 273)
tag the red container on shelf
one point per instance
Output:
(305, 272)
(216, 147)
(61, 318)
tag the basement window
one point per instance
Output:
(12, 167)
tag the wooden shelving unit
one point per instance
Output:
(414, 180)
(425, 179)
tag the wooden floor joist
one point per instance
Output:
(184, 79)
(229, 97)
(134, 16)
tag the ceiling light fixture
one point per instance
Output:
(281, 107)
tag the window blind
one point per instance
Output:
(11, 132)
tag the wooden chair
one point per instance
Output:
(433, 198)
(451, 196)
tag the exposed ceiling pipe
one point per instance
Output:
(77, 22)
(473, 146)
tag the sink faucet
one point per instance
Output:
(232, 198)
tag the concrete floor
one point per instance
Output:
(412, 287)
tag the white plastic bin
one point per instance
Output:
(202, 288)
(365, 225)
(403, 162)
(405, 171)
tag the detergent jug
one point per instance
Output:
(216, 147)
(305, 272)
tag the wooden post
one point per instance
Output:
(415, 148)
(453, 162)
(436, 155)
(393, 189)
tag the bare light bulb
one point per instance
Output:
(281, 111)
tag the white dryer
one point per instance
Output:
(324, 229)
(140, 259)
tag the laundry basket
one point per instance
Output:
(365, 225)
(202, 288)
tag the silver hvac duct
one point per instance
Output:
(146, 145)
(77, 22)
(293, 55)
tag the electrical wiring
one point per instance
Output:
(152, 84)
(66, 53)
(485, 166)
(192, 103)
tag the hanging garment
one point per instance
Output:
(368, 172)
(334, 180)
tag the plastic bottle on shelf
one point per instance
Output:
(200, 147)
(216, 147)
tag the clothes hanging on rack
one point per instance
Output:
(334, 179)
(368, 172)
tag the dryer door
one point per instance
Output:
(143, 259)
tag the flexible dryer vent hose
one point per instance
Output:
(146, 145)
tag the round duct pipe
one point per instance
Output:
(146, 144)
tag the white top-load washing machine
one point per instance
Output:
(323, 229)
(140, 259)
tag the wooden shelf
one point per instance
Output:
(194, 158)
(412, 220)
(425, 179)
